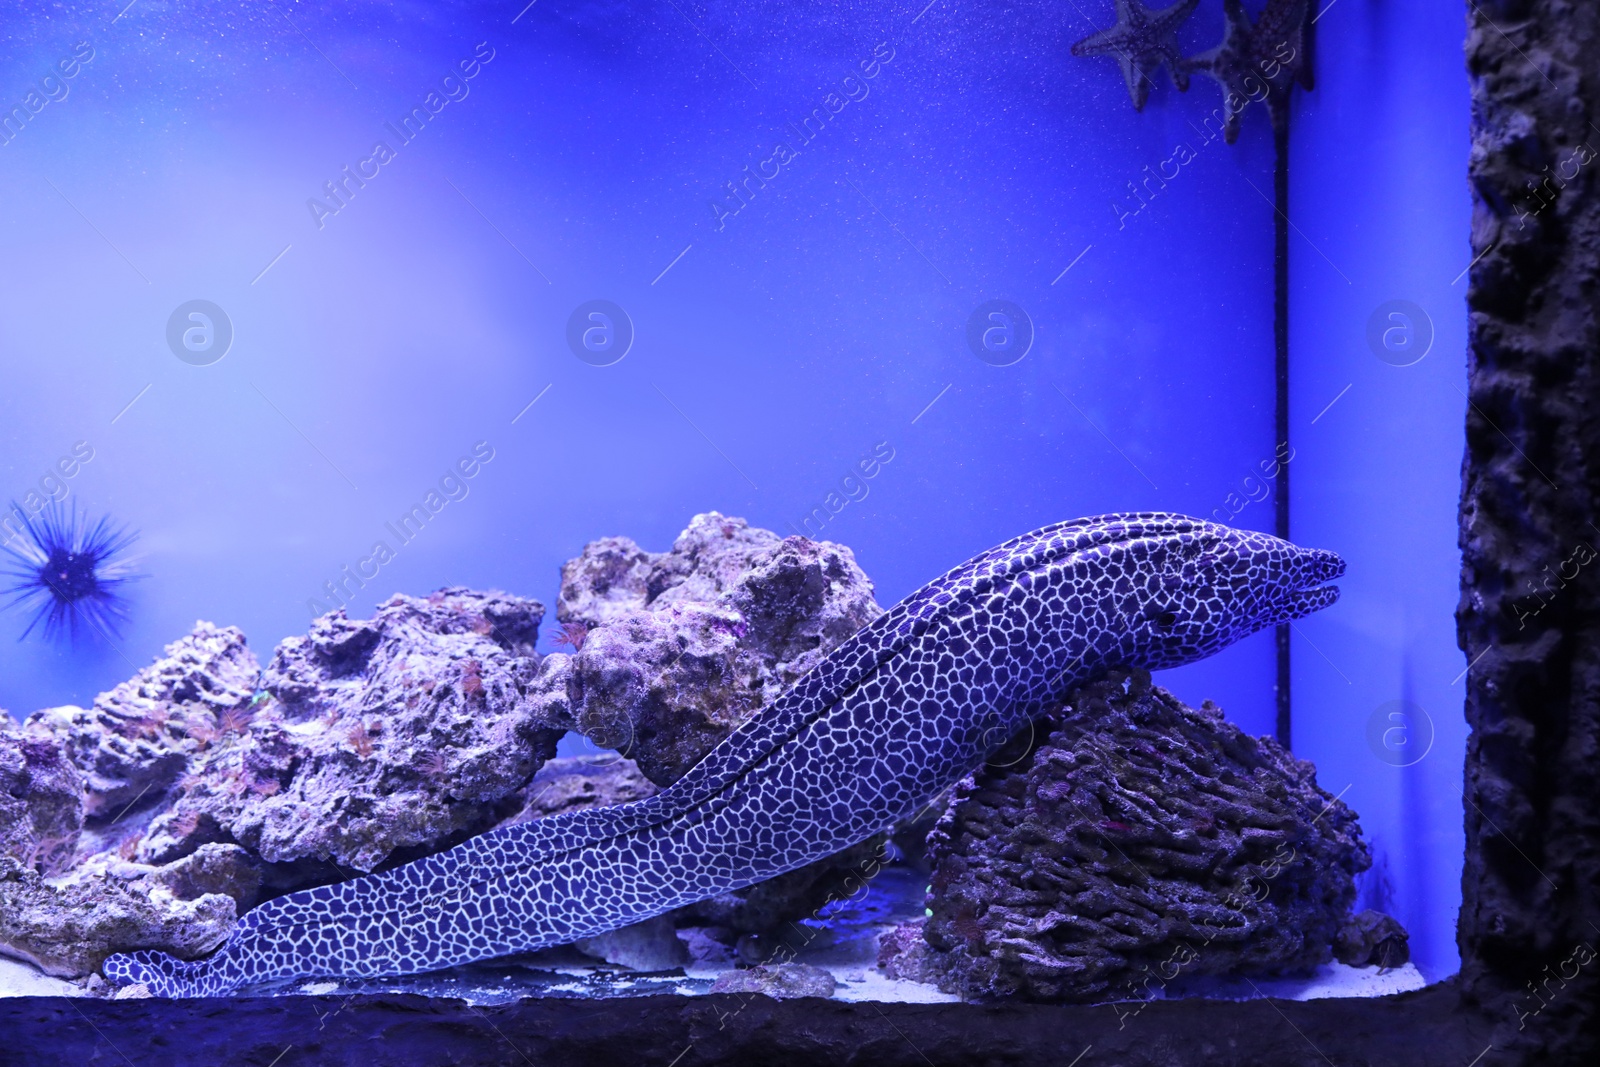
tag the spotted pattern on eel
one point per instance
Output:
(907, 706)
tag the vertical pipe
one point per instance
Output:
(1280, 336)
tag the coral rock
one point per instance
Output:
(1372, 939)
(1141, 840)
(402, 733)
(905, 953)
(609, 579)
(65, 919)
(41, 799)
(68, 925)
(652, 945)
(135, 741)
(573, 783)
(778, 980)
(363, 742)
(205, 781)
(683, 646)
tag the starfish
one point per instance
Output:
(1141, 41)
(1257, 62)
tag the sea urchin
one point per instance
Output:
(67, 571)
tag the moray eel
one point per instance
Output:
(911, 703)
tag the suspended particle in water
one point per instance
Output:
(69, 572)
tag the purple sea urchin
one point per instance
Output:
(69, 571)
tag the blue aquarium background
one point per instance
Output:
(797, 208)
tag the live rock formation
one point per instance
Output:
(153, 817)
(373, 738)
(652, 945)
(63, 912)
(64, 916)
(1371, 938)
(180, 797)
(41, 799)
(68, 925)
(778, 981)
(136, 739)
(1141, 839)
(572, 783)
(682, 646)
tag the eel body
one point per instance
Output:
(900, 711)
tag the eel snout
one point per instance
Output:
(1318, 567)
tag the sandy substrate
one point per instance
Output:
(18, 979)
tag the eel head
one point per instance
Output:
(1211, 585)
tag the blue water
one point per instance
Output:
(956, 154)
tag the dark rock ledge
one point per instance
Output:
(1421, 1029)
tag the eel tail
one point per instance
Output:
(163, 975)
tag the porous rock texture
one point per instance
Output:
(573, 783)
(64, 913)
(779, 981)
(371, 742)
(41, 799)
(68, 924)
(675, 649)
(1529, 615)
(1372, 939)
(152, 819)
(1140, 839)
(800, 893)
(680, 647)
(136, 739)
(652, 945)
(374, 738)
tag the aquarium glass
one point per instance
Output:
(910, 277)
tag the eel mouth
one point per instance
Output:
(1315, 593)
